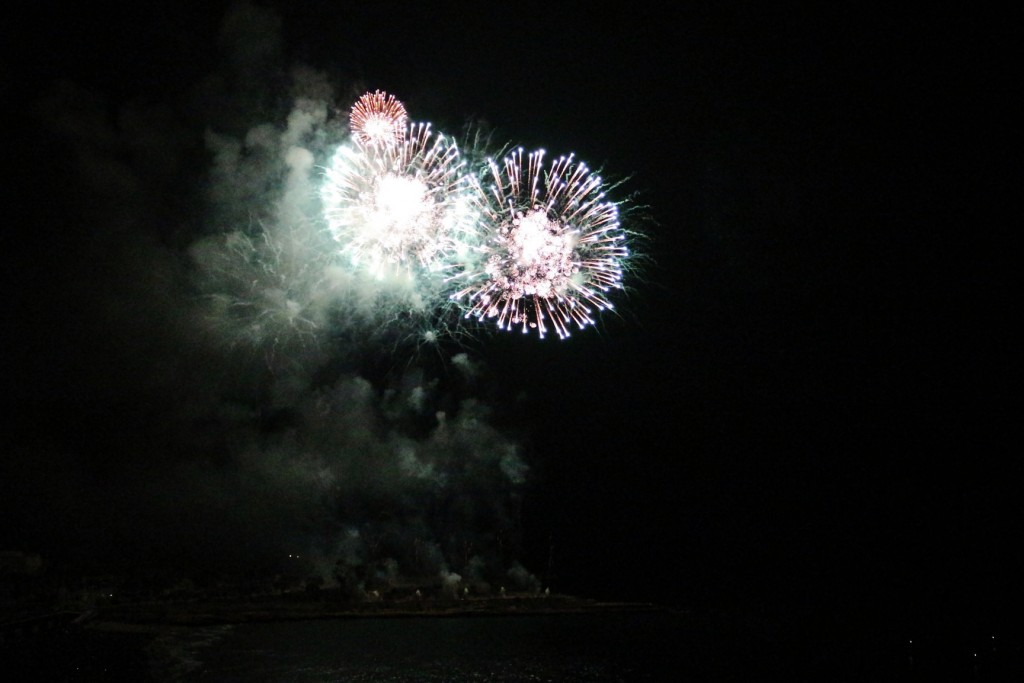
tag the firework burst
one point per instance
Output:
(553, 247)
(401, 211)
(378, 118)
(267, 291)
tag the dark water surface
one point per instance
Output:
(609, 646)
(633, 646)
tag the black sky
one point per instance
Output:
(805, 399)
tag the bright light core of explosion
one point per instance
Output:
(538, 247)
(540, 256)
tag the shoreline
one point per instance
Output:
(141, 618)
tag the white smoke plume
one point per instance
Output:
(238, 363)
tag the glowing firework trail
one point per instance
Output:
(378, 119)
(400, 209)
(553, 247)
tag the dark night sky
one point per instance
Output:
(805, 398)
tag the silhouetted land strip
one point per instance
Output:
(290, 608)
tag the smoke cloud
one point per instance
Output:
(212, 387)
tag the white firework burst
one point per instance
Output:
(552, 250)
(267, 291)
(401, 211)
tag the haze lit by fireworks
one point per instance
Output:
(378, 118)
(534, 246)
(554, 248)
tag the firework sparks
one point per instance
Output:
(378, 119)
(400, 209)
(535, 246)
(554, 247)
